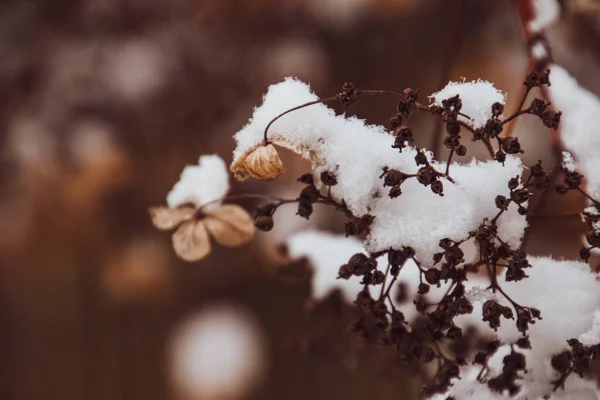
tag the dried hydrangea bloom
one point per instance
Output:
(196, 214)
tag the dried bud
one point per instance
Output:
(460, 150)
(446, 243)
(393, 177)
(538, 106)
(500, 156)
(328, 178)
(396, 257)
(304, 209)
(433, 275)
(351, 228)
(551, 119)
(573, 179)
(409, 252)
(420, 158)
(437, 187)
(307, 179)
(345, 272)
(493, 127)
(501, 202)
(423, 288)
(520, 196)
(497, 109)
(426, 175)
(535, 79)
(452, 127)
(451, 141)
(377, 278)
(453, 103)
(511, 145)
(266, 209)
(404, 133)
(524, 343)
(357, 260)
(264, 223)
(395, 192)
(348, 95)
(309, 195)
(513, 183)
(454, 255)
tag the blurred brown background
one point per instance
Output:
(102, 103)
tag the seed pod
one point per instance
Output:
(264, 223)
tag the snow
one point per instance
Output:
(477, 99)
(357, 152)
(568, 162)
(326, 253)
(578, 128)
(564, 317)
(207, 182)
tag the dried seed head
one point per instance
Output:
(307, 179)
(328, 178)
(264, 223)
(511, 145)
(309, 194)
(460, 150)
(497, 109)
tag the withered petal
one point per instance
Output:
(165, 218)
(191, 241)
(230, 225)
(262, 163)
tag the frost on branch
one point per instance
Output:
(579, 127)
(196, 214)
(357, 155)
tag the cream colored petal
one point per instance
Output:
(230, 225)
(165, 218)
(264, 163)
(191, 241)
(238, 170)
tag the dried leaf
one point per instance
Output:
(230, 225)
(165, 218)
(191, 241)
(262, 163)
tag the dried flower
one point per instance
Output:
(230, 226)
(262, 163)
